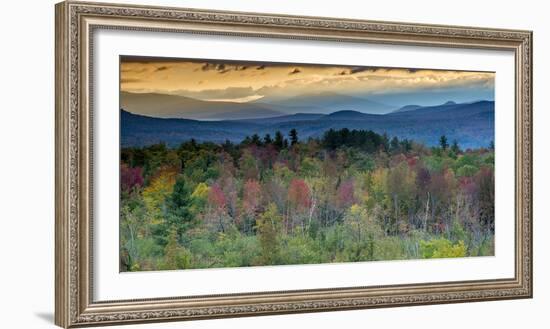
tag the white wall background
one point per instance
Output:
(27, 162)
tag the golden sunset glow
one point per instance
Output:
(254, 81)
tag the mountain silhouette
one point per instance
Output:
(471, 124)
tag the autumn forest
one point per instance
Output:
(278, 199)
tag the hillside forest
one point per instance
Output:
(347, 196)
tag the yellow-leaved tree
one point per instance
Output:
(155, 194)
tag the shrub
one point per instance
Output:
(389, 248)
(442, 248)
(466, 170)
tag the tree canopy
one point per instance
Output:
(349, 195)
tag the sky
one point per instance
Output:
(242, 82)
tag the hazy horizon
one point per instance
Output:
(327, 113)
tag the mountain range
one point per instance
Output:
(175, 106)
(182, 107)
(326, 102)
(471, 124)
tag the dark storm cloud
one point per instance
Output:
(223, 68)
(358, 69)
(295, 71)
(219, 67)
(363, 69)
(208, 67)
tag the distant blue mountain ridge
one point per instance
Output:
(471, 124)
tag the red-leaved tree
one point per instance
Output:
(251, 196)
(299, 194)
(216, 198)
(130, 177)
(345, 193)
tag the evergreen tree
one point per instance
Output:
(247, 141)
(279, 140)
(227, 144)
(178, 208)
(394, 144)
(267, 139)
(454, 147)
(443, 142)
(285, 143)
(366, 140)
(330, 139)
(406, 145)
(256, 140)
(293, 136)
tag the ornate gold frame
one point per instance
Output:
(76, 22)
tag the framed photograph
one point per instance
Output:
(219, 164)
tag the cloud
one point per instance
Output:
(212, 67)
(222, 67)
(295, 71)
(129, 80)
(225, 80)
(226, 93)
(238, 100)
(136, 70)
(360, 69)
